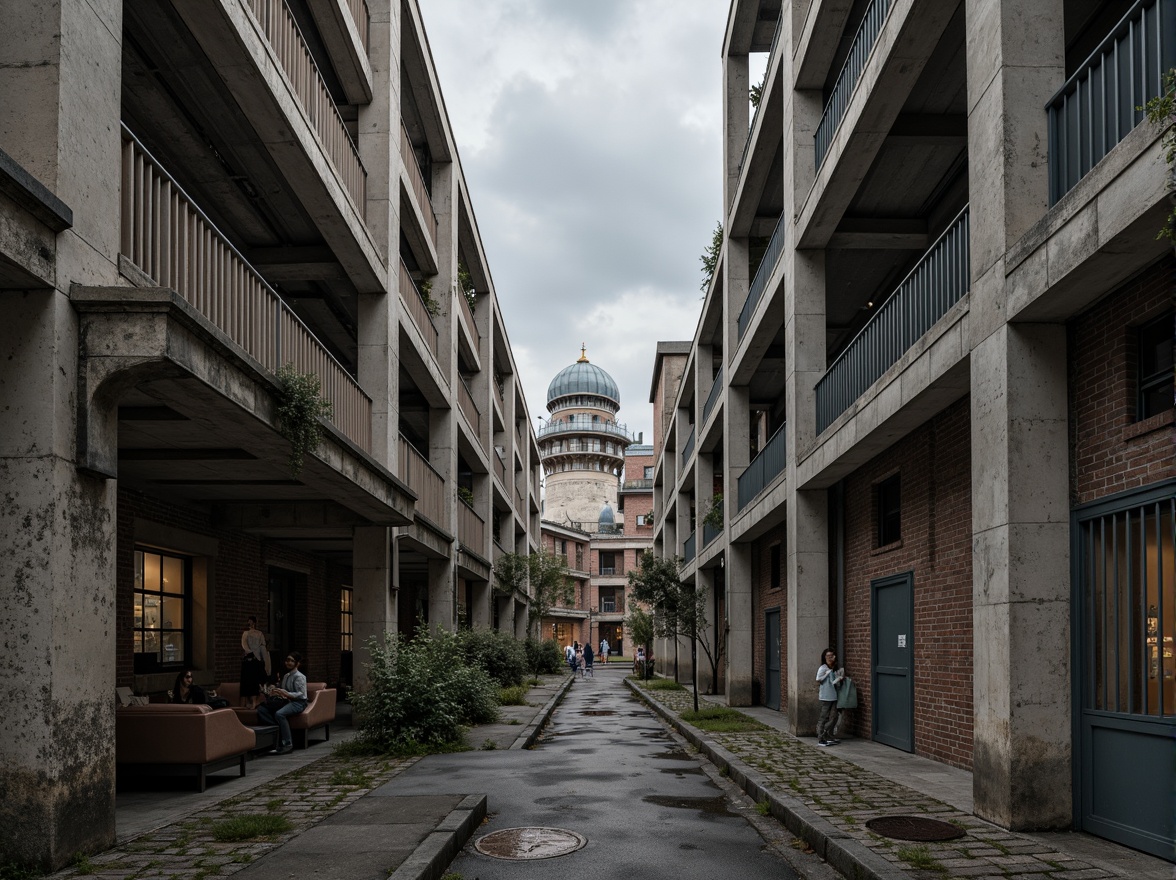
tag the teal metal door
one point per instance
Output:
(772, 660)
(1125, 670)
(892, 671)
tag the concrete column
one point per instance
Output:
(444, 200)
(808, 603)
(375, 610)
(704, 583)
(1021, 587)
(59, 119)
(506, 615)
(737, 114)
(739, 625)
(480, 613)
(442, 601)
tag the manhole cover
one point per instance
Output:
(914, 828)
(598, 712)
(529, 843)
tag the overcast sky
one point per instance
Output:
(589, 132)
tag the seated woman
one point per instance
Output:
(183, 691)
(293, 690)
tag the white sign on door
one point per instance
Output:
(902, 641)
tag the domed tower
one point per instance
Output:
(581, 447)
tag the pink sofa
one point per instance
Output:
(180, 739)
(319, 712)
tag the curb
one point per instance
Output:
(433, 854)
(530, 734)
(839, 849)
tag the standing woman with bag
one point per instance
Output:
(255, 664)
(829, 679)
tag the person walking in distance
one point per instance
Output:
(588, 659)
(604, 650)
(829, 678)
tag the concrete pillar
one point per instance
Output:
(59, 119)
(480, 613)
(704, 583)
(737, 114)
(1021, 587)
(739, 626)
(373, 559)
(442, 597)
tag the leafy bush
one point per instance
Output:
(515, 695)
(501, 655)
(544, 657)
(421, 693)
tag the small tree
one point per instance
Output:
(545, 574)
(639, 623)
(710, 257)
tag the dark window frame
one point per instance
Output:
(888, 494)
(1154, 365)
(775, 579)
(346, 619)
(146, 662)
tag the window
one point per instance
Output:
(1155, 367)
(612, 600)
(889, 511)
(579, 557)
(161, 610)
(774, 566)
(649, 472)
(608, 562)
(346, 620)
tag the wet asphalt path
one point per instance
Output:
(607, 769)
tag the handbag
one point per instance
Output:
(273, 704)
(847, 695)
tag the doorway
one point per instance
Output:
(284, 589)
(891, 668)
(772, 660)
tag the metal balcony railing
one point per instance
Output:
(1099, 104)
(767, 71)
(414, 301)
(471, 528)
(762, 274)
(764, 468)
(424, 480)
(282, 33)
(688, 551)
(584, 426)
(416, 178)
(174, 243)
(709, 533)
(465, 402)
(716, 392)
(936, 284)
(688, 448)
(851, 72)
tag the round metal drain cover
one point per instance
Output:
(914, 828)
(529, 843)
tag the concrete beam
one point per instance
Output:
(855, 233)
(340, 35)
(818, 40)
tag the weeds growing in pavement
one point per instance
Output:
(764, 808)
(356, 776)
(920, 857)
(722, 720)
(249, 828)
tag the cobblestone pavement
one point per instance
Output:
(847, 796)
(188, 849)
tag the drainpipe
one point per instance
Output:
(837, 525)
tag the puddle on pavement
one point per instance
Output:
(598, 712)
(711, 806)
(672, 755)
(680, 771)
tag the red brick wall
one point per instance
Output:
(1110, 451)
(935, 467)
(241, 589)
(763, 599)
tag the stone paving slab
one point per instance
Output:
(826, 802)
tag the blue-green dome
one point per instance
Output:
(583, 378)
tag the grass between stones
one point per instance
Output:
(920, 857)
(722, 720)
(252, 827)
(657, 684)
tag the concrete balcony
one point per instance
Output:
(416, 185)
(424, 480)
(343, 26)
(414, 304)
(583, 426)
(167, 241)
(471, 528)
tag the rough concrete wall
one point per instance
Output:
(934, 463)
(1110, 451)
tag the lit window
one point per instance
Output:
(161, 610)
(346, 619)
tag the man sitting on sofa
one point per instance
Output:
(293, 691)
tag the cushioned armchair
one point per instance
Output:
(319, 712)
(180, 739)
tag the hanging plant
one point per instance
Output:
(465, 283)
(425, 288)
(714, 516)
(465, 496)
(300, 406)
(1161, 112)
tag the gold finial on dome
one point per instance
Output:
(583, 358)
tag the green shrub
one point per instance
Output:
(501, 655)
(421, 693)
(544, 657)
(516, 695)
(659, 684)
